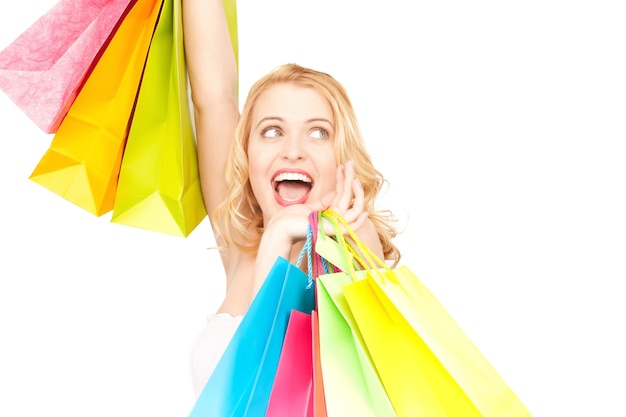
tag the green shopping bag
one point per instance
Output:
(351, 384)
(159, 184)
(350, 381)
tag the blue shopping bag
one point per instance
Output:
(241, 383)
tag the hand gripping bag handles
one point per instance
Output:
(83, 161)
(45, 67)
(425, 361)
(241, 384)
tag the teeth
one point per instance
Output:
(292, 176)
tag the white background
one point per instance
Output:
(501, 128)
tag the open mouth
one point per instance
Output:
(292, 188)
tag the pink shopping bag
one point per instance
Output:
(43, 69)
(292, 392)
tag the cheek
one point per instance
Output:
(258, 166)
(328, 171)
(255, 175)
(256, 161)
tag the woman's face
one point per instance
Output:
(291, 150)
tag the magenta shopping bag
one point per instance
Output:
(292, 392)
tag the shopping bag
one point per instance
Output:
(159, 187)
(318, 266)
(350, 381)
(348, 378)
(427, 364)
(242, 380)
(83, 161)
(230, 11)
(292, 391)
(43, 69)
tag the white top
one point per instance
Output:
(209, 347)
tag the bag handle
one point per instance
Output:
(307, 250)
(315, 263)
(319, 263)
(364, 255)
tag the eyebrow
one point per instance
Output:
(280, 119)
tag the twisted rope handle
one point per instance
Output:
(307, 250)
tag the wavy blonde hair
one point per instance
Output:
(239, 220)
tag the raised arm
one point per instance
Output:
(212, 71)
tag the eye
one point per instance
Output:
(320, 133)
(271, 132)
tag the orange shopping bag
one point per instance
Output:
(319, 405)
(83, 161)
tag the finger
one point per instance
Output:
(339, 186)
(328, 199)
(358, 202)
(324, 203)
(345, 196)
(356, 225)
(359, 193)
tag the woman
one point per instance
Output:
(295, 148)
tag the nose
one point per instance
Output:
(293, 149)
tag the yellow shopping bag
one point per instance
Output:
(83, 161)
(426, 362)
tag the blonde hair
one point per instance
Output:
(239, 220)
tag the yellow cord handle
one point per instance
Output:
(371, 262)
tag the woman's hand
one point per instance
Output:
(290, 225)
(347, 200)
